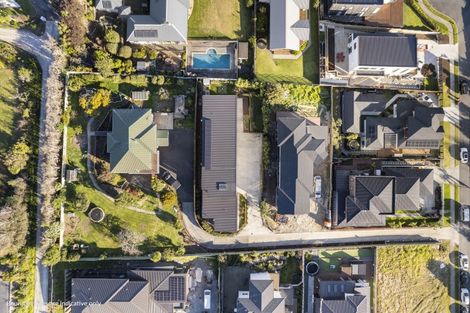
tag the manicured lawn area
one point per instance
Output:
(9, 111)
(221, 19)
(413, 279)
(160, 228)
(411, 19)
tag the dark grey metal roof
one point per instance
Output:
(343, 297)
(389, 50)
(218, 172)
(356, 103)
(302, 146)
(143, 291)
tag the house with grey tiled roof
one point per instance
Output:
(366, 201)
(411, 126)
(139, 291)
(287, 28)
(263, 295)
(382, 54)
(111, 6)
(219, 199)
(343, 296)
(302, 147)
(167, 23)
(133, 141)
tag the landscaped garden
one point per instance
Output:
(413, 279)
(221, 19)
(137, 220)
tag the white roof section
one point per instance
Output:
(286, 29)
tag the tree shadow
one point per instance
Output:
(442, 271)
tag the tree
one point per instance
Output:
(156, 257)
(130, 242)
(428, 70)
(72, 25)
(81, 202)
(112, 36)
(25, 75)
(52, 256)
(168, 254)
(169, 198)
(157, 184)
(112, 48)
(153, 54)
(104, 63)
(17, 159)
(99, 99)
(125, 52)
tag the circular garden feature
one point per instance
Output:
(312, 268)
(96, 214)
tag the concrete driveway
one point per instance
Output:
(179, 158)
(4, 296)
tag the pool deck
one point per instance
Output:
(221, 47)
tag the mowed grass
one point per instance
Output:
(413, 279)
(411, 19)
(224, 19)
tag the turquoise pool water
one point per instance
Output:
(211, 60)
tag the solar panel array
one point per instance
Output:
(176, 291)
(422, 143)
(146, 33)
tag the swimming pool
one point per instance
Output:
(211, 60)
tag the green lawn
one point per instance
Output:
(411, 19)
(303, 70)
(291, 272)
(158, 228)
(334, 258)
(413, 279)
(9, 111)
(221, 19)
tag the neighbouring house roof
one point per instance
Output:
(286, 28)
(372, 198)
(141, 291)
(219, 159)
(413, 126)
(356, 103)
(132, 142)
(167, 22)
(164, 120)
(262, 296)
(387, 50)
(344, 296)
(108, 5)
(302, 146)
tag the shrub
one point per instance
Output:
(25, 75)
(158, 80)
(140, 53)
(112, 36)
(169, 198)
(130, 242)
(153, 54)
(125, 52)
(248, 3)
(52, 256)
(100, 99)
(104, 63)
(17, 159)
(112, 48)
(157, 184)
(156, 257)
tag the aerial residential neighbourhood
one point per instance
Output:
(249, 156)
